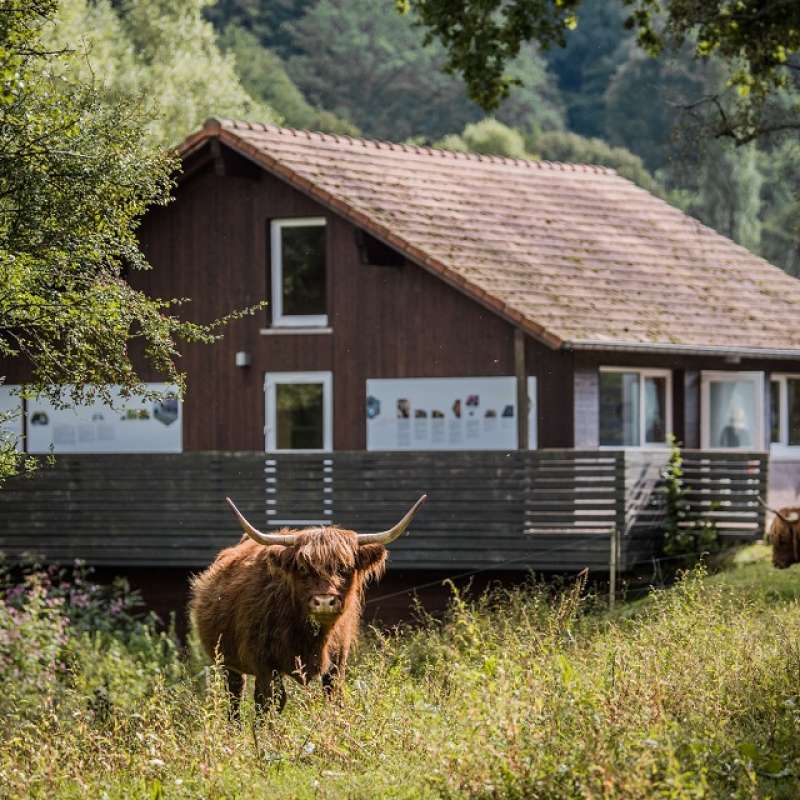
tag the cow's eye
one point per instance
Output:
(302, 569)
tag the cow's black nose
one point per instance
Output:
(325, 604)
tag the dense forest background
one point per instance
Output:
(358, 67)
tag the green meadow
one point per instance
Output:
(523, 693)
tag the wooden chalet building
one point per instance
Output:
(418, 300)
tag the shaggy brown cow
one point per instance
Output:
(784, 536)
(287, 603)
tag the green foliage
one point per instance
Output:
(747, 194)
(493, 138)
(780, 209)
(534, 104)
(643, 97)
(76, 175)
(263, 74)
(266, 21)
(483, 37)
(523, 693)
(575, 149)
(88, 607)
(67, 643)
(756, 41)
(729, 192)
(162, 51)
(361, 61)
(685, 532)
(489, 137)
(586, 65)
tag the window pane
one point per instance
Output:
(733, 413)
(619, 409)
(793, 403)
(774, 411)
(303, 256)
(655, 410)
(300, 420)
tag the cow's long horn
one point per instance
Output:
(386, 537)
(788, 521)
(287, 539)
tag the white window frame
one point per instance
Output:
(642, 372)
(271, 381)
(279, 319)
(709, 376)
(783, 445)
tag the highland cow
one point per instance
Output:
(784, 536)
(287, 603)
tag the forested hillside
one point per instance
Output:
(358, 67)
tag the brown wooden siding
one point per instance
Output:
(212, 245)
(553, 369)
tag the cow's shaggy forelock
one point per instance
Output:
(327, 551)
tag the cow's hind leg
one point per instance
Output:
(235, 681)
(270, 693)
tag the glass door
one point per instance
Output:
(732, 410)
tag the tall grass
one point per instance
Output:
(522, 694)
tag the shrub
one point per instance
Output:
(686, 532)
(71, 644)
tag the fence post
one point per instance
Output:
(612, 568)
(620, 522)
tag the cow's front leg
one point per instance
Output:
(333, 677)
(235, 681)
(269, 692)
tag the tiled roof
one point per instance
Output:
(576, 255)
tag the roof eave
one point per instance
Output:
(684, 349)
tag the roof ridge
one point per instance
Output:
(215, 123)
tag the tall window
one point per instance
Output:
(299, 411)
(298, 272)
(635, 407)
(784, 394)
(732, 413)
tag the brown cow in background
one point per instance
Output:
(784, 536)
(287, 603)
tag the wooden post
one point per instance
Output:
(620, 526)
(522, 389)
(612, 569)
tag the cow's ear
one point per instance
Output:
(371, 559)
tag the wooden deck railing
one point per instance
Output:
(545, 509)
